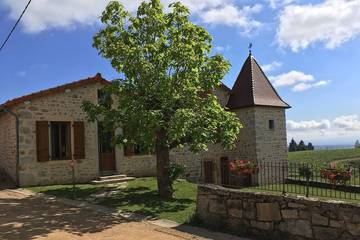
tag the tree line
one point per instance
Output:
(294, 147)
(357, 144)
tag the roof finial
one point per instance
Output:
(250, 47)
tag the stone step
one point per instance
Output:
(117, 176)
(115, 180)
(108, 173)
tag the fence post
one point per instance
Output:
(283, 178)
(307, 179)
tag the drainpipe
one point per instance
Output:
(17, 143)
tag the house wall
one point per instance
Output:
(64, 106)
(8, 144)
(271, 144)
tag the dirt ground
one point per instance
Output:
(27, 216)
(31, 217)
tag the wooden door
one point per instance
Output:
(208, 169)
(106, 151)
(225, 172)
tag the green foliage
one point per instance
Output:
(176, 170)
(301, 146)
(293, 146)
(168, 79)
(357, 144)
(310, 147)
(305, 171)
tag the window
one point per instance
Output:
(271, 124)
(104, 98)
(60, 137)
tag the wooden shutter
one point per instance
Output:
(42, 141)
(79, 140)
(129, 150)
(208, 169)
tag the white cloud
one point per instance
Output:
(59, 14)
(298, 80)
(350, 122)
(220, 49)
(308, 125)
(305, 86)
(279, 3)
(342, 129)
(331, 22)
(231, 15)
(272, 66)
(47, 14)
(291, 78)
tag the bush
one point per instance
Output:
(305, 171)
(176, 170)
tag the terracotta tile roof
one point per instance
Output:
(253, 88)
(96, 79)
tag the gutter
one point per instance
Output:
(17, 122)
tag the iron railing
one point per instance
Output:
(309, 180)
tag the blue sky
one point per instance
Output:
(309, 49)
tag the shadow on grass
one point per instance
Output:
(146, 201)
(137, 199)
(80, 192)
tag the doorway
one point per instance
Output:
(106, 150)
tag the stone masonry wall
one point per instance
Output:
(64, 106)
(8, 144)
(271, 144)
(277, 217)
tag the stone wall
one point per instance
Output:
(277, 217)
(271, 144)
(64, 106)
(8, 144)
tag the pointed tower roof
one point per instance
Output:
(253, 88)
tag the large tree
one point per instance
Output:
(165, 98)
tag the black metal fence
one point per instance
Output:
(341, 182)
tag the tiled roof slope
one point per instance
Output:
(253, 88)
(96, 79)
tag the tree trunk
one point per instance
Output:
(163, 166)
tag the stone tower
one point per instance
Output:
(262, 112)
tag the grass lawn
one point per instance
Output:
(324, 156)
(139, 196)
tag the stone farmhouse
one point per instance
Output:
(40, 133)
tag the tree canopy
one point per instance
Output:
(293, 146)
(165, 97)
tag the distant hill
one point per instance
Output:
(324, 156)
(328, 147)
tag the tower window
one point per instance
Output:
(271, 124)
